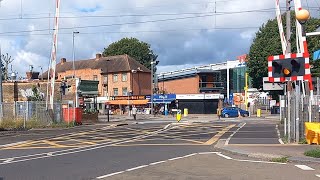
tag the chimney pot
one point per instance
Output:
(98, 56)
(63, 60)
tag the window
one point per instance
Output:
(115, 92)
(105, 78)
(95, 77)
(115, 78)
(105, 92)
(124, 77)
(124, 91)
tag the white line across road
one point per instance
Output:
(186, 156)
(304, 167)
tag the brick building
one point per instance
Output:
(222, 78)
(117, 75)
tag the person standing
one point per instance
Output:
(134, 112)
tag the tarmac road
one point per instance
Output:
(92, 153)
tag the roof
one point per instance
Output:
(109, 64)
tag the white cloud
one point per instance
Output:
(183, 47)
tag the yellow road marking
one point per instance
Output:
(186, 144)
(45, 147)
(24, 144)
(85, 142)
(217, 136)
(199, 142)
(52, 143)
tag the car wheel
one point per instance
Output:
(226, 115)
(245, 115)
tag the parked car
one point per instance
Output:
(233, 112)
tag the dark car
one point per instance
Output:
(233, 112)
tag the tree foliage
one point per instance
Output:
(139, 50)
(6, 59)
(267, 42)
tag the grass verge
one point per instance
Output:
(280, 160)
(313, 153)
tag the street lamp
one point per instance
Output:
(41, 73)
(74, 75)
(108, 105)
(73, 53)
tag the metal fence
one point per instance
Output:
(34, 113)
(295, 110)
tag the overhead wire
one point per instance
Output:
(144, 15)
(127, 23)
(132, 32)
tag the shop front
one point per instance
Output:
(123, 104)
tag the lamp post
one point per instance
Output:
(108, 105)
(130, 93)
(41, 73)
(74, 75)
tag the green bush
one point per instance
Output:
(11, 124)
(313, 153)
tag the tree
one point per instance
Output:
(267, 42)
(139, 50)
(6, 60)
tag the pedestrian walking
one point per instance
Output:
(134, 112)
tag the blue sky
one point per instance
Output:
(187, 33)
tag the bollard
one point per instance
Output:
(178, 115)
(185, 112)
(258, 112)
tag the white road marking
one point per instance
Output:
(280, 141)
(172, 159)
(49, 154)
(135, 168)
(266, 162)
(8, 160)
(227, 141)
(159, 162)
(304, 167)
(202, 153)
(318, 175)
(108, 175)
(224, 156)
(278, 132)
(190, 155)
(166, 127)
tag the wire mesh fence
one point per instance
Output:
(29, 114)
(295, 111)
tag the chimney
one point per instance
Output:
(32, 75)
(63, 60)
(98, 56)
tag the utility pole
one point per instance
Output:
(152, 88)
(288, 25)
(1, 92)
(288, 50)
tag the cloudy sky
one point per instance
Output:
(183, 33)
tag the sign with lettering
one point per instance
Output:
(128, 97)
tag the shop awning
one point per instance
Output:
(126, 102)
